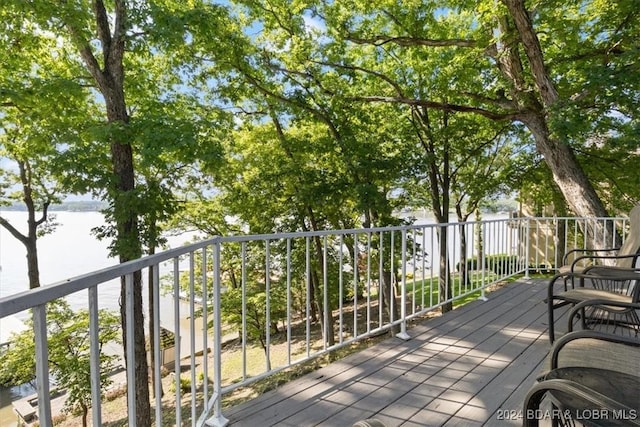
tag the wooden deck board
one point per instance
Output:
(464, 368)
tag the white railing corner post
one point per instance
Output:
(217, 419)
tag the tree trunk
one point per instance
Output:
(326, 313)
(129, 248)
(109, 79)
(85, 414)
(389, 299)
(465, 279)
(33, 269)
(560, 158)
(444, 277)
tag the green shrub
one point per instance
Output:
(499, 263)
(502, 263)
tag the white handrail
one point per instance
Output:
(351, 261)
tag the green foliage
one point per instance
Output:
(18, 363)
(499, 263)
(185, 385)
(255, 309)
(69, 353)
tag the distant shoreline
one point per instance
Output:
(69, 206)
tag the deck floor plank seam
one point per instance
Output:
(463, 366)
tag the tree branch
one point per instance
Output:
(14, 231)
(533, 50)
(104, 32)
(412, 41)
(381, 76)
(45, 209)
(439, 106)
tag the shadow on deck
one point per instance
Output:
(470, 367)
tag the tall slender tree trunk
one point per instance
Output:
(109, 78)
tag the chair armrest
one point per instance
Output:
(562, 278)
(595, 273)
(582, 258)
(565, 259)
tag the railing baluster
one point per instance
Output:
(289, 301)
(192, 334)
(308, 300)
(156, 343)
(94, 365)
(403, 293)
(369, 281)
(244, 309)
(340, 289)
(267, 291)
(217, 420)
(177, 339)
(356, 278)
(392, 298)
(526, 241)
(325, 288)
(380, 279)
(131, 358)
(205, 337)
(42, 364)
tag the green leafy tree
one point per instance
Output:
(254, 311)
(497, 60)
(123, 56)
(69, 354)
(41, 113)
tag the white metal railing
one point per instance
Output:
(296, 296)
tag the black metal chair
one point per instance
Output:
(626, 256)
(593, 380)
(617, 285)
(617, 318)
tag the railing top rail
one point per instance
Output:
(24, 300)
(16, 303)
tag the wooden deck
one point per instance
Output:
(470, 367)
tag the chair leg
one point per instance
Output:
(551, 320)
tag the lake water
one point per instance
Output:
(71, 250)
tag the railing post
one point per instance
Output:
(481, 261)
(403, 293)
(156, 342)
(217, 420)
(527, 240)
(131, 357)
(94, 349)
(42, 364)
(177, 338)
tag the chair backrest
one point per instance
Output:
(631, 245)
